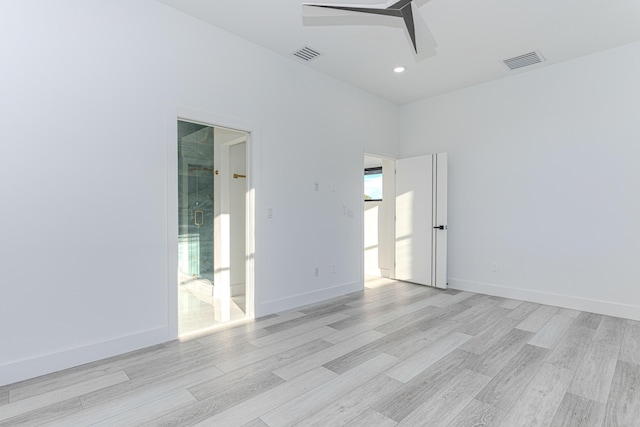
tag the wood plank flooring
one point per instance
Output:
(396, 354)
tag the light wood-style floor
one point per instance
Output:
(395, 354)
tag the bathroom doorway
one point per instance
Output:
(212, 196)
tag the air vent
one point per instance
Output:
(306, 54)
(523, 60)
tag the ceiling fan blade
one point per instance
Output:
(425, 42)
(359, 9)
(416, 28)
(310, 10)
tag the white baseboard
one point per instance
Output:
(24, 369)
(566, 301)
(299, 300)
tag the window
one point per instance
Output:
(373, 184)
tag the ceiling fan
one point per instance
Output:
(404, 10)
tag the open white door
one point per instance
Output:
(421, 218)
(440, 221)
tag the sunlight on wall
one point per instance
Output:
(404, 233)
(222, 288)
(371, 264)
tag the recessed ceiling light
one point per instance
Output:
(399, 70)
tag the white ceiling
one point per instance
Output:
(473, 36)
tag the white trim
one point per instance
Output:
(299, 300)
(171, 215)
(41, 365)
(211, 119)
(566, 301)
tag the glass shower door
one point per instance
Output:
(195, 210)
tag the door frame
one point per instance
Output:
(252, 162)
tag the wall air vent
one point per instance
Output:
(306, 54)
(524, 60)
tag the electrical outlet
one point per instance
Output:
(270, 213)
(316, 186)
(494, 267)
(316, 271)
(333, 268)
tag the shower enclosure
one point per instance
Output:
(195, 208)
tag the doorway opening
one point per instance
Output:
(379, 213)
(405, 219)
(212, 225)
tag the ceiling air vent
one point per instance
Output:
(306, 54)
(523, 60)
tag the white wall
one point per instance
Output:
(544, 181)
(90, 92)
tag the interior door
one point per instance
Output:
(421, 220)
(440, 221)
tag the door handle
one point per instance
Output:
(198, 221)
(440, 227)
